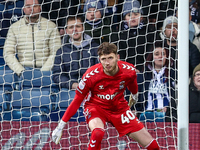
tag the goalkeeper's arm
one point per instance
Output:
(71, 110)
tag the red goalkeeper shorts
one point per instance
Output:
(124, 121)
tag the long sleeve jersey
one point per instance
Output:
(103, 90)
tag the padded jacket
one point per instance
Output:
(31, 45)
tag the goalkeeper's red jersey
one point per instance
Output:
(103, 90)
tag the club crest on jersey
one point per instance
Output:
(121, 85)
(81, 85)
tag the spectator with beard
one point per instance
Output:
(170, 35)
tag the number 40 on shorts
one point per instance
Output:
(127, 117)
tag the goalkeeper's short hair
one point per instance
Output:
(107, 48)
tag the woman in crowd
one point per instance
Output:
(156, 87)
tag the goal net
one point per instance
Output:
(31, 105)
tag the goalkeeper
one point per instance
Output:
(102, 87)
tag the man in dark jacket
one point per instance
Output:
(194, 96)
(170, 34)
(75, 56)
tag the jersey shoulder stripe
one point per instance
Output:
(126, 66)
(92, 71)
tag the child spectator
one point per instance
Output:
(96, 24)
(136, 38)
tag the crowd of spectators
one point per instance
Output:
(63, 37)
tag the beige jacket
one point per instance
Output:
(31, 45)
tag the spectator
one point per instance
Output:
(170, 34)
(136, 38)
(156, 86)
(75, 56)
(33, 39)
(194, 31)
(194, 6)
(194, 96)
(10, 12)
(96, 25)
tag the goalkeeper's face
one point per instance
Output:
(32, 9)
(109, 63)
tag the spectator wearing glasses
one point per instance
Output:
(194, 96)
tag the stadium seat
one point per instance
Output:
(30, 105)
(38, 81)
(35, 97)
(6, 87)
(65, 98)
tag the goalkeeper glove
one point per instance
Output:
(57, 133)
(132, 99)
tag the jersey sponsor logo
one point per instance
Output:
(92, 73)
(107, 96)
(128, 67)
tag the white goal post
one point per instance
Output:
(183, 66)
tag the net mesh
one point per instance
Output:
(31, 106)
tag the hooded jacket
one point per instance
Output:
(34, 44)
(71, 61)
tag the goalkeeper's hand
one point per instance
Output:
(132, 99)
(57, 132)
